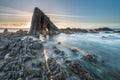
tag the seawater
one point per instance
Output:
(105, 46)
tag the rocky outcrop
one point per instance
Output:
(90, 57)
(76, 67)
(41, 23)
(26, 58)
(22, 61)
(103, 29)
(73, 30)
(78, 30)
(5, 30)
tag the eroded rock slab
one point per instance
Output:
(41, 24)
(23, 58)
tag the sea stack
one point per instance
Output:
(41, 24)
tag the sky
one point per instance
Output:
(64, 13)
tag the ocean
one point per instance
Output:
(105, 46)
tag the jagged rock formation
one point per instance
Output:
(22, 61)
(41, 23)
(24, 57)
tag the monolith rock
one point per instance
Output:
(42, 24)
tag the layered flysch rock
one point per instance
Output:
(41, 23)
(24, 57)
(23, 60)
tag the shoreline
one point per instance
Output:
(19, 46)
(71, 30)
(27, 54)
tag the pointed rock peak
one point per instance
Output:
(41, 23)
(37, 10)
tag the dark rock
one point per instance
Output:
(40, 22)
(54, 47)
(78, 69)
(73, 49)
(104, 29)
(19, 62)
(103, 36)
(57, 51)
(5, 30)
(59, 42)
(27, 58)
(93, 31)
(91, 58)
(35, 45)
(56, 71)
(116, 31)
(21, 32)
(73, 30)
(2, 47)
(62, 53)
(26, 62)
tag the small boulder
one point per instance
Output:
(5, 30)
(59, 42)
(90, 58)
(73, 49)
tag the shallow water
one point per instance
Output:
(106, 48)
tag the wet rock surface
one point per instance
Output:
(91, 58)
(68, 69)
(97, 30)
(73, 30)
(73, 49)
(77, 68)
(22, 58)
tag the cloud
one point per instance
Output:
(61, 15)
(7, 11)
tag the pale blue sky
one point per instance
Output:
(65, 13)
